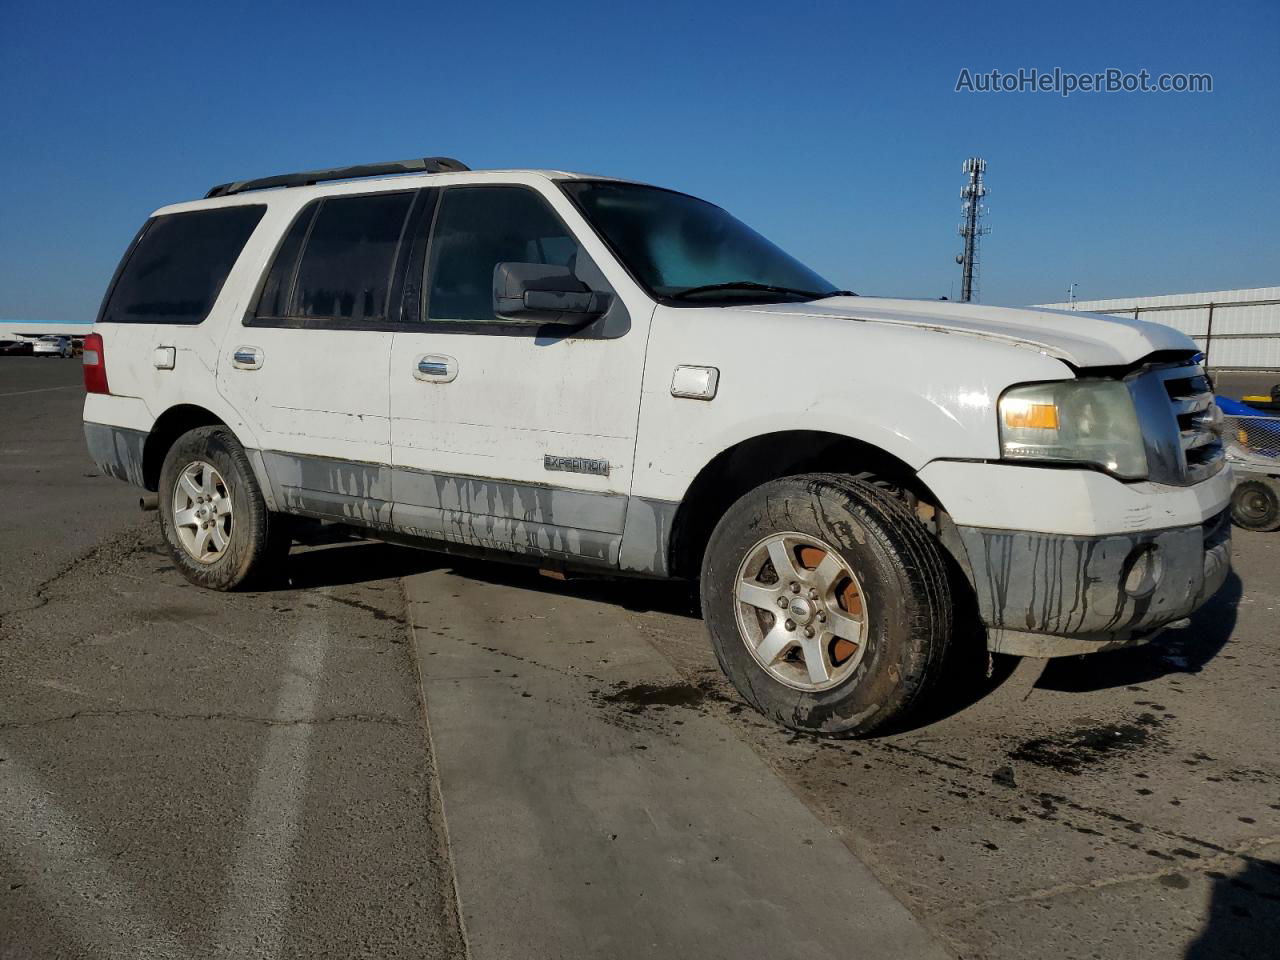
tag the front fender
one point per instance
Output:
(917, 394)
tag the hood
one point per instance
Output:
(1081, 339)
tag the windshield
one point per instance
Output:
(685, 249)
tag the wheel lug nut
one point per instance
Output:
(813, 594)
(808, 632)
(822, 617)
(782, 602)
(790, 624)
(795, 588)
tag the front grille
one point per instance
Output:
(1198, 424)
(1181, 424)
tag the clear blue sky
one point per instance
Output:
(833, 128)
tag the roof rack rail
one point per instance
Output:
(308, 177)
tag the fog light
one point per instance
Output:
(1144, 570)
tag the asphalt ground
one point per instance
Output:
(185, 773)
(192, 774)
(1237, 384)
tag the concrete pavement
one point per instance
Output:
(578, 832)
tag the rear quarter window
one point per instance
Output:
(176, 267)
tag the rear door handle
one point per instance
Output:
(436, 368)
(247, 358)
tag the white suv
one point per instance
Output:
(53, 346)
(593, 373)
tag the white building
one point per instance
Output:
(18, 330)
(1237, 329)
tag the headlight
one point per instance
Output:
(1075, 421)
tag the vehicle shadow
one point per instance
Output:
(331, 556)
(342, 561)
(638, 595)
(328, 556)
(1184, 650)
(1244, 914)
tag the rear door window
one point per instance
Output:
(175, 269)
(346, 266)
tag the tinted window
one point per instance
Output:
(674, 243)
(345, 272)
(274, 300)
(476, 229)
(178, 264)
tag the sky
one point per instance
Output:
(833, 128)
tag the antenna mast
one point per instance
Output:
(972, 209)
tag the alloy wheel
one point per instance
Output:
(202, 515)
(801, 611)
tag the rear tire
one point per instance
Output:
(213, 516)
(1255, 504)
(870, 633)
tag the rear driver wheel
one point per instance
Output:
(828, 604)
(213, 515)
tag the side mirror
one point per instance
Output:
(544, 293)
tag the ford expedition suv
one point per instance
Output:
(594, 373)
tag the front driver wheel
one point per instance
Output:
(828, 604)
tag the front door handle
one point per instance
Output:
(247, 358)
(436, 368)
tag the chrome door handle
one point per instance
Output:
(436, 368)
(247, 358)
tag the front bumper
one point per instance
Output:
(1053, 595)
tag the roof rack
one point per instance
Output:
(308, 177)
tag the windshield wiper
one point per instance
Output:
(762, 287)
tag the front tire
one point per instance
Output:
(828, 604)
(212, 513)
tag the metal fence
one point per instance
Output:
(1230, 334)
(1253, 439)
(1238, 330)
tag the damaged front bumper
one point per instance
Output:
(1054, 595)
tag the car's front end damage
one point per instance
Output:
(1106, 520)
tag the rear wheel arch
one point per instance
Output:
(169, 426)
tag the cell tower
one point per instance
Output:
(973, 210)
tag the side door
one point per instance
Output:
(506, 435)
(308, 367)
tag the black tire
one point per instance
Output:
(908, 603)
(258, 540)
(1255, 504)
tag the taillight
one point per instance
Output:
(95, 365)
